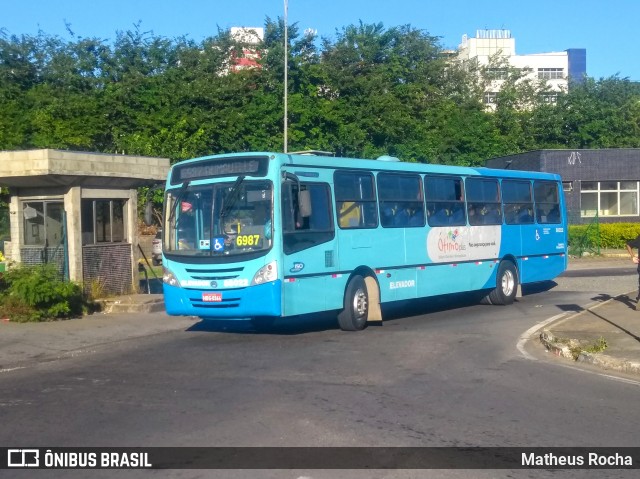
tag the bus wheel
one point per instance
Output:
(356, 306)
(506, 285)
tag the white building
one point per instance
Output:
(251, 54)
(557, 68)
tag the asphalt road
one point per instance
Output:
(445, 373)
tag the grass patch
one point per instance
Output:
(596, 347)
(150, 272)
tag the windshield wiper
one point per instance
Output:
(231, 198)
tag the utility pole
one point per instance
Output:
(286, 73)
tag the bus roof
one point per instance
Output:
(384, 163)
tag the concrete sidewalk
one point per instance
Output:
(614, 324)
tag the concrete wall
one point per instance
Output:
(575, 166)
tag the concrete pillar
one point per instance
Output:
(132, 236)
(72, 206)
(12, 249)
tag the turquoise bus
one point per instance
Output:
(263, 235)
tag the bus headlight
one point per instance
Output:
(169, 278)
(265, 274)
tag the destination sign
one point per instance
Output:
(219, 167)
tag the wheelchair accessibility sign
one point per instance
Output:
(218, 244)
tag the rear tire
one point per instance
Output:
(355, 314)
(506, 285)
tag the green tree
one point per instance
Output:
(600, 114)
(369, 91)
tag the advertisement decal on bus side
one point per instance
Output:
(464, 243)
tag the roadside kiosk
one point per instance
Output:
(78, 210)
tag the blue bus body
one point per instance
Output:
(295, 264)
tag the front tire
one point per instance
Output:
(355, 314)
(506, 285)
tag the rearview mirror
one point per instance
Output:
(304, 203)
(148, 213)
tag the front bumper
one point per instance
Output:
(238, 303)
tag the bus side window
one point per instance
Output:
(300, 233)
(400, 196)
(484, 197)
(554, 215)
(546, 197)
(445, 201)
(492, 215)
(442, 215)
(349, 214)
(288, 207)
(356, 204)
(518, 202)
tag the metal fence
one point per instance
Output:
(589, 240)
(107, 267)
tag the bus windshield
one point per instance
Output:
(222, 219)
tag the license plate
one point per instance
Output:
(211, 297)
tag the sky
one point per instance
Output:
(607, 29)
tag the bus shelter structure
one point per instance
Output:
(79, 211)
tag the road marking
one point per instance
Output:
(526, 336)
(633, 382)
(623, 380)
(8, 370)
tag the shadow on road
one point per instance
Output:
(326, 321)
(535, 288)
(307, 323)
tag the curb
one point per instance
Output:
(550, 342)
(601, 360)
(608, 362)
(133, 304)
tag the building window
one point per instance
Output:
(43, 223)
(608, 198)
(550, 73)
(551, 98)
(497, 73)
(490, 98)
(103, 221)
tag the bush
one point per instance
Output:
(37, 293)
(607, 235)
